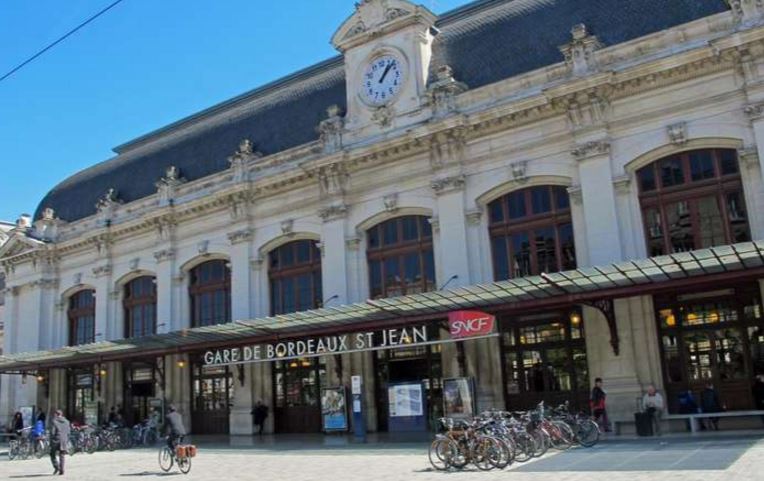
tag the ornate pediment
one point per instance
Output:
(376, 17)
(16, 243)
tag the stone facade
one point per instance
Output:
(443, 150)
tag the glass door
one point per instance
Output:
(297, 392)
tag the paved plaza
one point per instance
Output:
(739, 457)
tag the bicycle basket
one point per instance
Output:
(191, 451)
(181, 451)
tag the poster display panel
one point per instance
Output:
(334, 409)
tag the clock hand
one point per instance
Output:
(389, 66)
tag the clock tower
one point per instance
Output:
(387, 45)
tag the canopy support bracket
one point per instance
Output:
(606, 307)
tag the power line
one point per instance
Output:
(61, 39)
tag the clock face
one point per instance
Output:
(382, 80)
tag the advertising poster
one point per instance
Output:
(334, 409)
(91, 413)
(459, 397)
(406, 400)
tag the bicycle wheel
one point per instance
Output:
(166, 459)
(587, 433)
(39, 448)
(442, 451)
(524, 447)
(561, 435)
(13, 451)
(486, 454)
(184, 464)
(90, 445)
(540, 442)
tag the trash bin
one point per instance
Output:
(644, 424)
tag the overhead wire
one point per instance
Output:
(59, 40)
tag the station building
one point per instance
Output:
(584, 174)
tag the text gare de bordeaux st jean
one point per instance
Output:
(462, 325)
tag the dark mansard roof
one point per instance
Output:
(482, 43)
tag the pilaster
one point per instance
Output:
(165, 266)
(241, 273)
(452, 222)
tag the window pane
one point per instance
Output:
(276, 307)
(561, 198)
(541, 201)
(426, 227)
(516, 202)
(521, 255)
(680, 227)
(728, 162)
(546, 251)
(646, 176)
(500, 258)
(671, 172)
(567, 243)
(318, 291)
(496, 212)
(373, 237)
(289, 295)
(654, 232)
(390, 230)
(673, 358)
(303, 251)
(738, 217)
(413, 273)
(287, 255)
(711, 222)
(375, 278)
(392, 277)
(701, 165)
(429, 269)
(410, 231)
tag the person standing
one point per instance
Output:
(687, 405)
(598, 407)
(41, 416)
(259, 415)
(758, 393)
(654, 405)
(59, 441)
(17, 426)
(174, 429)
(709, 403)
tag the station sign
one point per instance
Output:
(466, 324)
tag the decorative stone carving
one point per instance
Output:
(748, 156)
(48, 214)
(448, 184)
(383, 116)
(46, 283)
(77, 279)
(373, 17)
(101, 271)
(579, 54)
(591, 149)
(203, 248)
(754, 111)
(257, 264)
(330, 130)
(115, 294)
(353, 243)
(446, 147)
(46, 228)
(167, 185)
(391, 202)
(677, 133)
(519, 171)
(333, 212)
(586, 109)
(287, 227)
(165, 227)
(747, 12)
(244, 235)
(108, 202)
(332, 180)
(356, 30)
(24, 222)
(134, 263)
(574, 192)
(474, 217)
(393, 13)
(622, 184)
(240, 160)
(164, 255)
(441, 94)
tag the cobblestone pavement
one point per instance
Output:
(707, 460)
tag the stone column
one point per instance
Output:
(241, 273)
(103, 300)
(600, 217)
(755, 112)
(9, 383)
(334, 272)
(165, 266)
(454, 259)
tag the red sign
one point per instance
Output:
(463, 324)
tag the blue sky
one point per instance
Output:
(142, 65)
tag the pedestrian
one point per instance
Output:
(709, 403)
(260, 414)
(59, 441)
(112, 419)
(174, 428)
(688, 405)
(598, 407)
(17, 426)
(758, 393)
(653, 405)
(41, 416)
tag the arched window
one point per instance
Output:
(81, 316)
(693, 200)
(210, 292)
(294, 270)
(140, 305)
(531, 232)
(400, 257)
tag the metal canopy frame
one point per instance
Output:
(594, 286)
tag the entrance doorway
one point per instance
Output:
(412, 364)
(81, 393)
(297, 388)
(715, 337)
(213, 397)
(139, 390)
(544, 359)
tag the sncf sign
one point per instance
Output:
(464, 324)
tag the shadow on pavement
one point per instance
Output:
(150, 473)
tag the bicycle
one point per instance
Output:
(180, 455)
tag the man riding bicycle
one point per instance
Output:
(175, 429)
